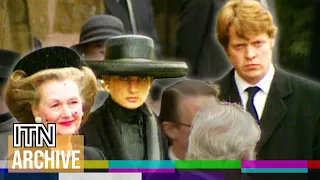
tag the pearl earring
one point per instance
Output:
(38, 119)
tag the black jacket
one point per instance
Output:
(290, 122)
(144, 18)
(196, 42)
(102, 132)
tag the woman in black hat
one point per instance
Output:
(52, 85)
(94, 34)
(93, 37)
(124, 127)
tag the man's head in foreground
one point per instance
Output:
(180, 102)
(223, 132)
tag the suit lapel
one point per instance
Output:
(103, 131)
(116, 9)
(229, 90)
(275, 108)
(138, 15)
(94, 130)
(113, 134)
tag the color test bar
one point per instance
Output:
(96, 164)
(274, 170)
(314, 164)
(208, 164)
(275, 166)
(144, 166)
(3, 170)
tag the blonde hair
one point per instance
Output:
(247, 17)
(21, 90)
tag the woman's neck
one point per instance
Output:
(121, 113)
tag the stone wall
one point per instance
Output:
(53, 22)
(15, 33)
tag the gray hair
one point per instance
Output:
(223, 132)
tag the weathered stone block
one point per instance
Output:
(38, 17)
(71, 14)
(14, 28)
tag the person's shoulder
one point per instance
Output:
(227, 77)
(220, 84)
(93, 153)
(6, 127)
(99, 109)
(94, 116)
(301, 82)
(301, 88)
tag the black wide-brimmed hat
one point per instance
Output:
(100, 27)
(133, 55)
(49, 58)
(7, 61)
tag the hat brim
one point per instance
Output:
(97, 38)
(49, 58)
(138, 67)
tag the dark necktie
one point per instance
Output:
(252, 91)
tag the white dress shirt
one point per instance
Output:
(171, 154)
(260, 98)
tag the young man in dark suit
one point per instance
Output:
(285, 106)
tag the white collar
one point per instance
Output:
(171, 154)
(264, 84)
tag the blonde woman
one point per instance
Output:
(52, 85)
